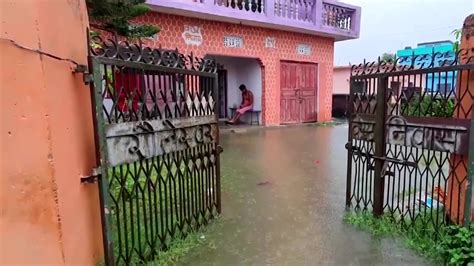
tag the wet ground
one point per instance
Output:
(283, 203)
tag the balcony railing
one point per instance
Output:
(337, 16)
(327, 17)
(301, 10)
(256, 6)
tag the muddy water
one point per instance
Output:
(283, 203)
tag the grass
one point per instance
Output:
(181, 247)
(419, 235)
(148, 205)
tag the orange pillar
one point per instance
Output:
(458, 183)
(47, 217)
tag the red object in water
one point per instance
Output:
(128, 87)
(317, 162)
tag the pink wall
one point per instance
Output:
(341, 76)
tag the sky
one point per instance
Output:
(391, 25)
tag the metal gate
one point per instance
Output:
(411, 142)
(158, 143)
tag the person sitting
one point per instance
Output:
(247, 104)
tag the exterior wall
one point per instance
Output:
(431, 81)
(47, 217)
(341, 80)
(213, 33)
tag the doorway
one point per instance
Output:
(222, 84)
(233, 71)
(298, 82)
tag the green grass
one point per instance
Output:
(143, 205)
(442, 244)
(181, 247)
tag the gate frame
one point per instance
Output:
(382, 70)
(100, 173)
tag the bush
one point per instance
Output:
(428, 107)
(457, 245)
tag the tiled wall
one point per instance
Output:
(213, 32)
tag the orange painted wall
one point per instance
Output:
(47, 217)
(458, 178)
(213, 33)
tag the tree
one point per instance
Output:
(457, 37)
(115, 16)
(387, 57)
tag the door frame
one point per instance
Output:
(316, 83)
(224, 97)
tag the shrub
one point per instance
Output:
(457, 245)
(428, 107)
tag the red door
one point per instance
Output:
(289, 105)
(298, 93)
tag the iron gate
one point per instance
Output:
(410, 151)
(158, 143)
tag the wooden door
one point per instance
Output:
(289, 105)
(307, 92)
(298, 93)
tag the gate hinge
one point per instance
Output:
(96, 172)
(86, 76)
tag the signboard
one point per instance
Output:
(270, 42)
(431, 133)
(303, 49)
(192, 35)
(233, 42)
(131, 141)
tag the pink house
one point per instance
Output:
(340, 90)
(282, 50)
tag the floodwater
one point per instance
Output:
(283, 203)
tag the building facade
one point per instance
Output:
(340, 91)
(442, 83)
(281, 50)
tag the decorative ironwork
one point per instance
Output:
(414, 62)
(410, 129)
(156, 122)
(124, 50)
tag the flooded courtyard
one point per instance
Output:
(283, 194)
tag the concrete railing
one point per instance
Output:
(337, 16)
(319, 17)
(254, 6)
(300, 10)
